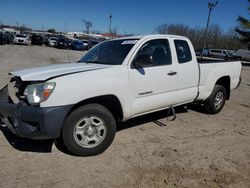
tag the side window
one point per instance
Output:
(158, 50)
(183, 51)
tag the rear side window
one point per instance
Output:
(183, 51)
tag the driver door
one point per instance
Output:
(154, 86)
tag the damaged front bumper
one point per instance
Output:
(31, 121)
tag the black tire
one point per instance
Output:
(215, 102)
(94, 113)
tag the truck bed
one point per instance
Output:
(211, 70)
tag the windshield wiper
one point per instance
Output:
(80, 61)
(97, 62)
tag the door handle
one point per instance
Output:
(171, 73)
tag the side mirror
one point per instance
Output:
(143, 61)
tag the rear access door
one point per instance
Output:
(188, 71)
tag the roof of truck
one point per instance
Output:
(151, 36)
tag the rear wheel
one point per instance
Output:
(89, 130)
(216, 100)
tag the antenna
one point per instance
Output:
(65, 30)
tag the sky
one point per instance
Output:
(128, 16)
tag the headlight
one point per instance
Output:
(37, 93)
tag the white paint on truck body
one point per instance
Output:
(139, 91)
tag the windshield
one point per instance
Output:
(109, 52)
(77, 42)
(21, 36)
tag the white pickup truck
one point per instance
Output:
(82, 103)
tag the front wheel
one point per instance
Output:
(216, 100)
(89, 130)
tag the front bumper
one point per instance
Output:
(31, 121)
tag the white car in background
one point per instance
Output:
(218, 53)
(243, 54)
(86, 44)
(21, 39)
(52, 41)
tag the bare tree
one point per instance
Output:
(88, 25)
(216, 37)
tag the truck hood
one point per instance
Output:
(52, 71)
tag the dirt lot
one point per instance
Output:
(195, 150)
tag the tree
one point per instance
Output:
(217, 38)
(51, 30)
(244, 29)
(88, 25)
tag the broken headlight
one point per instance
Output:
(37, 93)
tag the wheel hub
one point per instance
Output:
(89, 131)
(218, 100)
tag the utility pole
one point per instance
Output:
(110, 30)
(211, 6)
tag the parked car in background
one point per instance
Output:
(21, 39)
(37, 40)
(86, 44)
(92, 43)
(233, 55)
(52, 41)
(6, 38)
(218, 53)
(2, 38)
(46, 40)
(62, 43)
(243, 54)
(198, 52)
(78, 45)
(69, 41)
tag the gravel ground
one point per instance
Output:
(195, 150)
